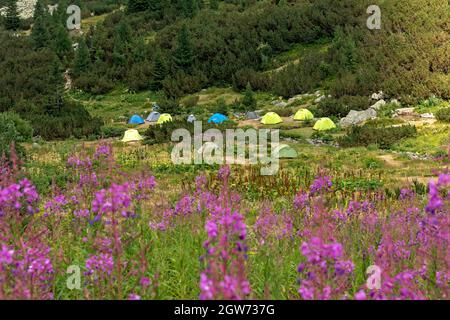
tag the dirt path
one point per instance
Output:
(391, 161)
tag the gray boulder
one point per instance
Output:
(378, 96)
(319, 99)
(377, 106)
(278, 103)
(358, 117)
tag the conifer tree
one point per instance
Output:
(40, 35)
(56, 82)
(214, 4)
(82, 59)
(183, 55)
(39, 10)
(62, 43)
(12, 20)
(249, 100)
(159, 72)
(138, 5)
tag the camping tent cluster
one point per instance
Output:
(322, 124)
(270, 118)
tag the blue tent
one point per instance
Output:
(217, 118)
(136, 120)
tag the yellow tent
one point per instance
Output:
(303, 114)
(132, 135)
(324, 124)
(165, 117)
(271, 118)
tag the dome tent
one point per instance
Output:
(217, 118)
(252, 115)
(153, 116)
(136, 119)
(191, 118)
(131, 135)
(324, 124)
(271, 118)
(165, 117)
(285, 152)
(303, 115)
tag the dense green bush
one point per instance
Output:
(109, 131)
(70, 121)
(443, 114)
(94, 84)
(170, 106)
(384, 136)
(340, 107)
(13, 129)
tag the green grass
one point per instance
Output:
(430, 140)
(116, 105)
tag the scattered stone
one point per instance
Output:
(378, 96)
(318, 142)
(415, 156)
(395, 101)
(404, 112)
(358, 117)
(278, 103)
(428, 116)
(377, 106)
(319, 99)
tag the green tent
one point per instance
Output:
(303, 115)
(286, 152)
(165, 117)
(271, 118)
(324, 124)
(131, 136)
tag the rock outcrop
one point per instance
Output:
(24, 7)
(358, 117)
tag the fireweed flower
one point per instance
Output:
(134, 296)
(116, 199)
(6, 255)
(320, 185)
(324, 275)
(226, 251)
(271, 225)
(20, 196)
(101, 265)
(103, 150)
(301, 200)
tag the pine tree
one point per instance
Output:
(183, 55)
(39, 10)
(159, 72)
(40, 35)
(82, 59)
(189, 8)
(56, 82)
(138, 5)
(249, 100)
(214, 4)
(62, 43)
(12, 20)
